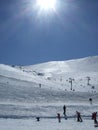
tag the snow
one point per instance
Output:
(45, 124)
(43, 89)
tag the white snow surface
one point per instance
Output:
(42, 90)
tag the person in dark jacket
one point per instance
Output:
(64, 110)
(79, 119)
(90, 100)
(38, 118)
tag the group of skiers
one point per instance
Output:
(94, 117)
(78, 116)
(64, 112)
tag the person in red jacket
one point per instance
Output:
(59, 117)
(94, 117)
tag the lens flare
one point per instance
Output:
(46, 4)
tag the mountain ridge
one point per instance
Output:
(83, 64)
(56, 74)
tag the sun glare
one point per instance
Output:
(46, 4)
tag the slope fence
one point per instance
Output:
(88, 117)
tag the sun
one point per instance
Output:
(46, 5)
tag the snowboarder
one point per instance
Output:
(64, 110)
(59, 117)
(79, 119)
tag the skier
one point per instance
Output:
(64, 110)
(59, 117)
(79, 119)
(38, 118)
(94, 116)
(90, 99)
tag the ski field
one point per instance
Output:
(41, 90)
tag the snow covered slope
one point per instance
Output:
(57, 74)
(48, 80)
(43, 88)
(61, 72)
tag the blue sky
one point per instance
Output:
(29, 36)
